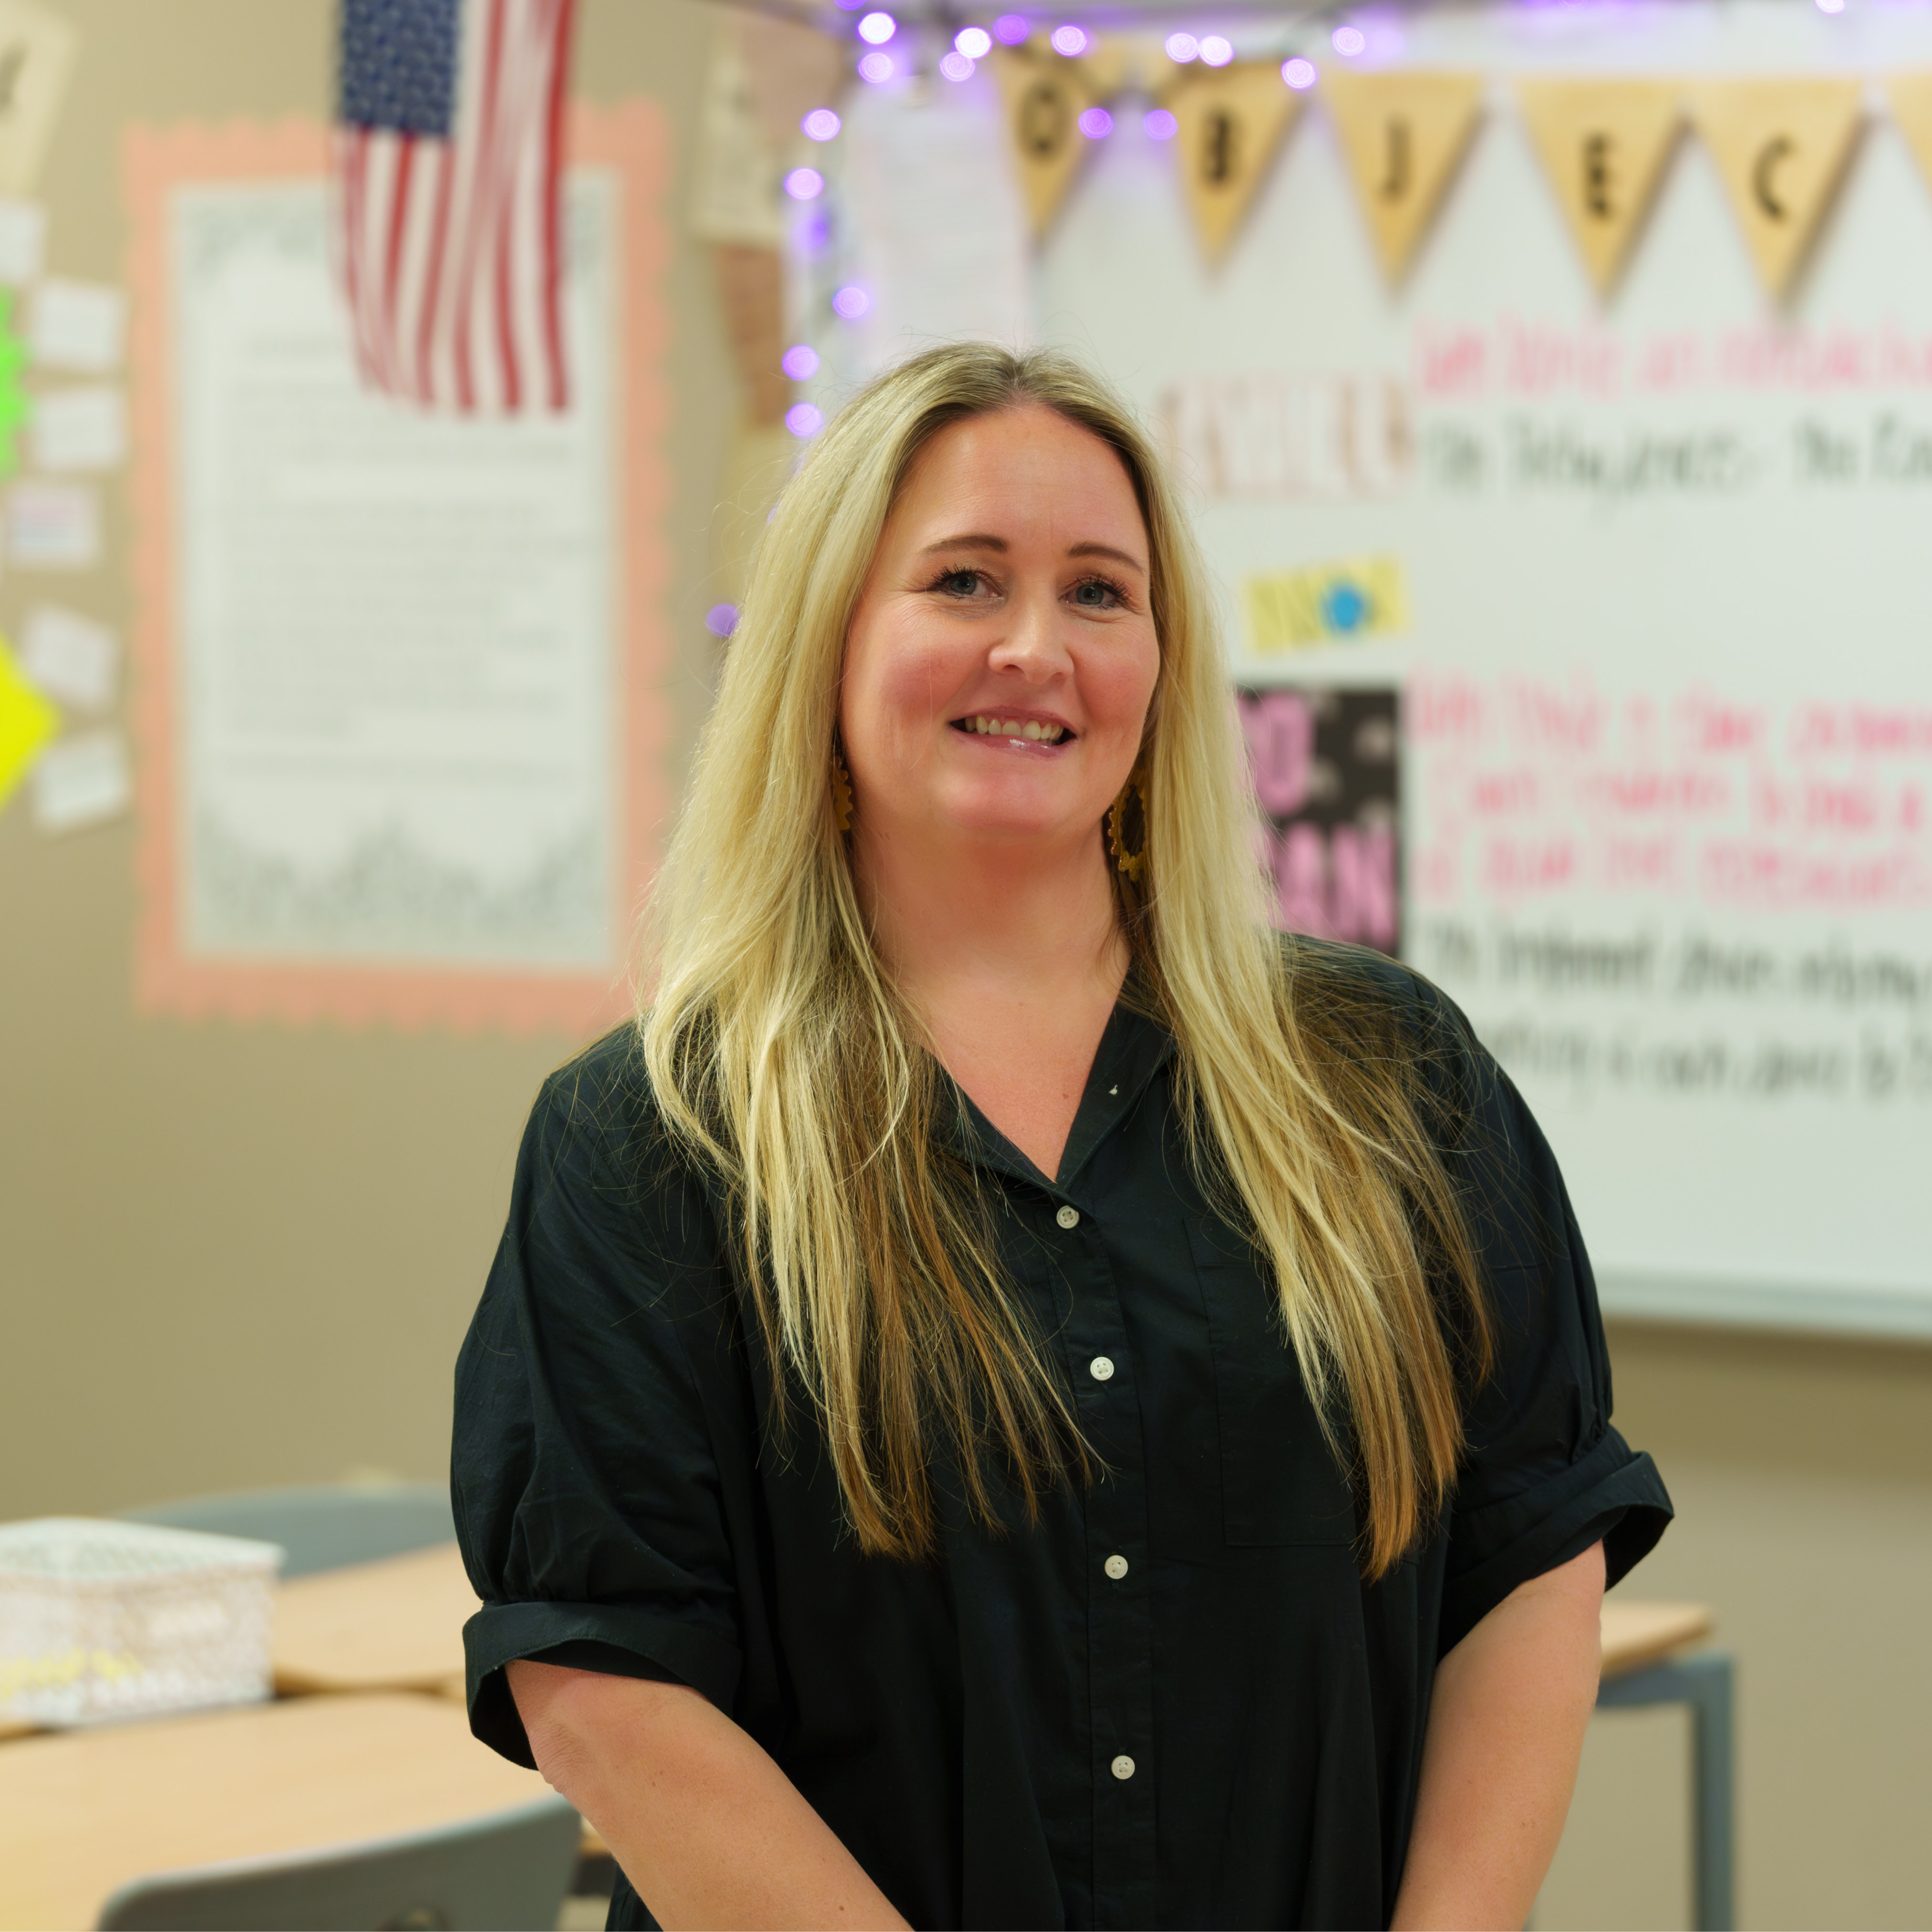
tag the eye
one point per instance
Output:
(961, 583)
(1098, 593)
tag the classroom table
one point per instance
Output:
(394, 1624)
(1642, 1668)
(83, 1812)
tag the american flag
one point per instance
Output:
(447, 165)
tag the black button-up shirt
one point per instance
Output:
(1174, 1701)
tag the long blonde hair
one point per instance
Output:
(782, 1057)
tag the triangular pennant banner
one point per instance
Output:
(1045, 96)
(1909, 97)
(1780, 147)
(1403, 133)
(1231, 120)
(1603, 144)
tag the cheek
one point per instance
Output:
(1118, 686)
(899, 677)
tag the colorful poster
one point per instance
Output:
(1325, 768)
(400, 715)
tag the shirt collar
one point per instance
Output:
(1134, 1048)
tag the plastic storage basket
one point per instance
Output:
(107, 1620)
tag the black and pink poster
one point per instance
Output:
(1325, 765)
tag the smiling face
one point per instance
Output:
(1001, 660)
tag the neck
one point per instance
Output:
(983, 921)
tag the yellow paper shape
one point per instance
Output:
(1909, 97)
(1403, 133)
(1780, 147)
(1231, 121)
(1326, 604)
(27, 721)
(1045, 96)
(1603, 144)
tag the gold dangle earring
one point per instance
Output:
(1131, 860)
(841, 793)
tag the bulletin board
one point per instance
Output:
(401, 722)
(1638, 561)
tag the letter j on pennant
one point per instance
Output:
(1403, 135)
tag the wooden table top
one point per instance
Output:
(392, 1625)
(1638, 1634)
(83, 1812)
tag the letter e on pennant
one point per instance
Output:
(1604, 145)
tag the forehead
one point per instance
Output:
(1017, 464)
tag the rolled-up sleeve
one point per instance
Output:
(602, 1419)
(1545, 1475)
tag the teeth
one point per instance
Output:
(1012, 727)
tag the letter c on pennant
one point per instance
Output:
(1774, 152)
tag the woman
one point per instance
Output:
(1011, 1397)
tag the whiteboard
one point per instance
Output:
(1666, 664)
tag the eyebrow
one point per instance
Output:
(980, 540)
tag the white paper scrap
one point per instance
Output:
(53, 525)
(82, 780)
(23, 241)
(71, 658)
(78, 325)
(84, 428)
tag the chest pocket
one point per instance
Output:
(1279, 1481)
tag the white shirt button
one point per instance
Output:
(1068, 1217)
(1116, 1566)
(1123, 1768)
(1100, 1368)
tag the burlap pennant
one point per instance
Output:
(1231, 120)
(1780, 146)
(1045, 96)
(1604, 145)
(1909, 97)
(1403, 132)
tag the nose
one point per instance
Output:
(1030, 643)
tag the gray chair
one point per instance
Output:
(509, 1871)
(322, 1527)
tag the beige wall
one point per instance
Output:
(236, 1255)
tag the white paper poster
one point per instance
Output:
(399, 698)
(942, 247)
